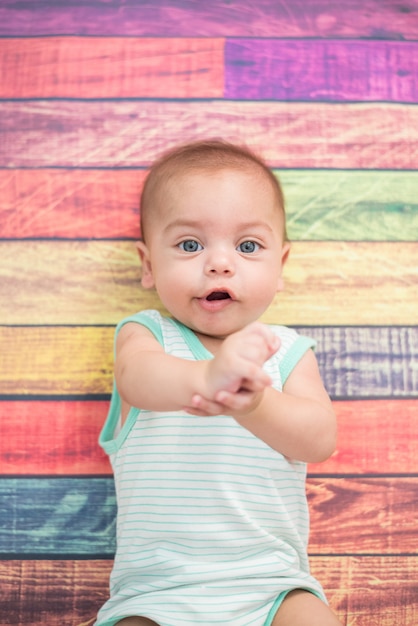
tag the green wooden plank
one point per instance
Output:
(351, 205)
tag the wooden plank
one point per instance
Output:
(76, 516)
(111, 67)
(288, 134)
(60, 437)
(90, 204)
(52, 438)
(391, 426)
(321, 70)
(320, 204)
(355, 362)
(295, 18)
(367, 591)
(67, 282)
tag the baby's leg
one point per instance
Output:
(302, 608)
(136, 621)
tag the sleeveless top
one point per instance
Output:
(212, 523)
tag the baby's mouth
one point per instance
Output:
(218, 295)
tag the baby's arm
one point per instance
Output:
(149, 378)
(298, 422)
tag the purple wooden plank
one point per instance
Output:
(275, 69)
(383, 360)
(382, 19)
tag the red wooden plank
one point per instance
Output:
(374, 436)
(60, 437)
(56, 438)
(123, 133)
(87, 204)
(112, 67)
(274, 69)
(265, 18)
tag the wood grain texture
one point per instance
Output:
(60, 437)
(367, 591)
(52, 438)
(290, 135)
(111, 67)
(320, 204)
(76, 516)
(355, 362)
(292, 18)
(324, 70)
(68, 282)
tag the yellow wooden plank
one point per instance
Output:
(356, 362)
(98, 282)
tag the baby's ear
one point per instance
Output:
(285, 256)
(147, 279)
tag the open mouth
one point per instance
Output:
(218, 295)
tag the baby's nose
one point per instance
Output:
(220, 262)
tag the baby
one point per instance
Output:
(214, 415)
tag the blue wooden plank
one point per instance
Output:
(381, 360)
(57, 516)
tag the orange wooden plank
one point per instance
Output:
(367, 591)
(288, 134)
(112, 67)
(59, 437)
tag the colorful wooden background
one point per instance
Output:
(90, 93)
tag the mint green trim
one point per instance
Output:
(294, 355)
(106, 440)
(279, 600)
(196, 346)
(143, 320)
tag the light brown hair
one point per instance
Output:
(208, 155)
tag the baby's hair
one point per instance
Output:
(208, 155)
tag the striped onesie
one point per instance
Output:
(212, 523)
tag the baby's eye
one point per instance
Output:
(190, 245)
(248, 246)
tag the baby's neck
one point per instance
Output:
(212, 344)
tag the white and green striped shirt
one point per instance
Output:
(212, 523)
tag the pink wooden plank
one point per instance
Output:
(125, 133)
(263, 69)
(264, 18)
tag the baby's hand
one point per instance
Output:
(235, 376)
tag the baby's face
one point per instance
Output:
(215, 249)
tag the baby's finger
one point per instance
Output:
(203, 407)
